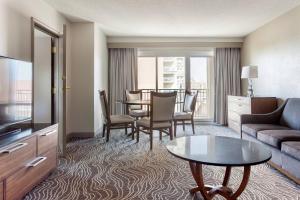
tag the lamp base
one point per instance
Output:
(250, 88)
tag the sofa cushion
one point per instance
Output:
(291, 149)
(276, 137)
(252, 129)
(291, 114)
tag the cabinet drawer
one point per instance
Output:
(16, 156)
(47, 139)
(234, 116)
(25, 179)
(239, 99)
(234, 125)
(1, 191)
(239, 108)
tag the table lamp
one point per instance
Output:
(249, 72)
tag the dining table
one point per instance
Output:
(135, 102)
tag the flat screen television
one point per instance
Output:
(15, 92)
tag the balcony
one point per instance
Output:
(202, 103)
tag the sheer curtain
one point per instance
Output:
(227, 80)
(122, 75)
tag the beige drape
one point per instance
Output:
(227, 80)
(122, 76)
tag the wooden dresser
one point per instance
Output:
(238, 105)
(27, 161)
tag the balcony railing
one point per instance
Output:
(202, 104)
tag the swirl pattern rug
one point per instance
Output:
(124, 169)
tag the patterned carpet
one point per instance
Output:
(123, 169)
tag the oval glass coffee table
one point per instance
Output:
(218, 151)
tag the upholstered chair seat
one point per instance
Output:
(145, 122)
(117, 119)
(183, 116)
(138, 113)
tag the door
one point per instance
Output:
(49, 50)
(43, 79)
(201, 81)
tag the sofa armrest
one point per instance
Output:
(268, 118)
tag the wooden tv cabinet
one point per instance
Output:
(27, 161)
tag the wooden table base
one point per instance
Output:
(208, 192)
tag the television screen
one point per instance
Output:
(15, 91)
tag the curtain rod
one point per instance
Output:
(175, 44)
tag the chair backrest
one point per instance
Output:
(189, 101)
(162, 106)
(104, 106)
(291, 114)
(134, 95)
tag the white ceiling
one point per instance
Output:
(175, 18)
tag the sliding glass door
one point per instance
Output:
(171, 73)
(200, 80)
(178, 73)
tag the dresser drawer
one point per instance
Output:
(239, 108)
(25, 179)
(16, 156)
(47, 139)
(239, 100)
(234, 125)
(234, 116)
(1, 191)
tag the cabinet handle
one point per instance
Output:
(14, 148)
(48, 133)
(36, 161)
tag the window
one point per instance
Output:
(198, 72)
(171, 72)
(178, 73)
(147, 73)
(200, 81)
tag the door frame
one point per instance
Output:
(37, 24)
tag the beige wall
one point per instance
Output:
(100, 75)
(15, 25)
(82, 93)
(89, 74)
(275, 48)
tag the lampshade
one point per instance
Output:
(249, 72)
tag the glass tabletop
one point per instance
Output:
(219, 151)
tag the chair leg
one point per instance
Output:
(132, 130)
(193, 126)
(103, 131)
(151, 139)
(107, 133)
(175, 127)
(160, 135)
(126, 125)
(137, 134)
(171, 133)
(183, 125)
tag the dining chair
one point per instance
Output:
(114, 121)
(161, 115)
(135, 111)
(187, 114)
